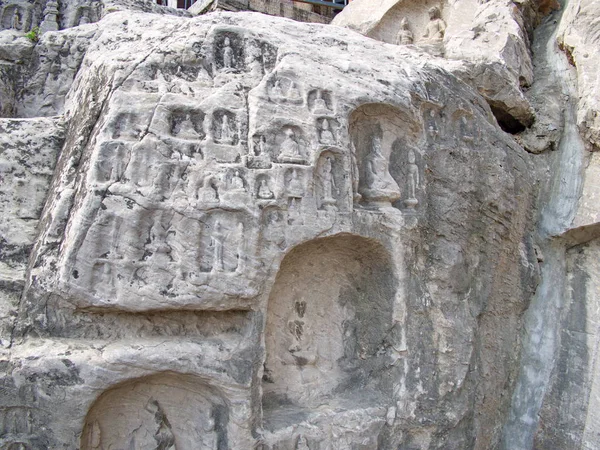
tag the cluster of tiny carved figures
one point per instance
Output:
(434, 31)
(21, 16)
(197, 164)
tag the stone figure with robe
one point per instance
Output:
(434, 32)
(290, 149)
(228, 58)
(405, 36)
(379, 186)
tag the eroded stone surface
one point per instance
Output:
(262, 233)
(487, 43)
(579, 37)
(316, 202)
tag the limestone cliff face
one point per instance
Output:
(235, 231)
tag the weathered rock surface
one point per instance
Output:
(579, 36)
(238, 231)
(486, 42)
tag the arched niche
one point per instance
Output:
(416, 14)
(165, 410)
(382, 138)
(328, 316)
(8, 17)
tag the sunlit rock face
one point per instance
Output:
(236, 231)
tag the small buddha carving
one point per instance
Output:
(186, 129)
(295, 188)
(290, 149)
(327, 136)
(262, 146)
(216, 242)
(84, 19)
(228, 58)
(405, 36)
(16, 21)
(432, 126)
(379, 186)
(227, 132)
(277, 88)
(413, 181)
(237, 183)
(293, 93)
(328, 181)
(264, 192)
(434, 32)
(320, 105)
(207, 193)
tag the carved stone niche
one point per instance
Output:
(225, 127)
(320, 102)
(327, 130)
(284, 88)
(328, 313)
(145, 158)
(163, 411)
(296, 189)
(87, 14)
(273, 226)
(406, 165)
(260, 152)
(332, 183)
(373, 129)
(434, 123)
(187, 124)
(235, 192)
(263, 187)
(291, 145)
(228, 52)
(17, 427)
(127, 126)
(464, 127)
(412, 16)
(221, 243)
(17, 17)
(111, 162)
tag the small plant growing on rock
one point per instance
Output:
(34, 34)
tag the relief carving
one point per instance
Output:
(264, 192)
(413, 180)
(378, 187)
(329, 190)
(112, 162)
(290, 150)
(327, 136)
(434, 32)
(295, 192)
(320, 102)
(216, 242)
(14, 16)
(259, 157)
(207, 194)
(187, 125)
(284, 89)
(225, 128)
(405, 36)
